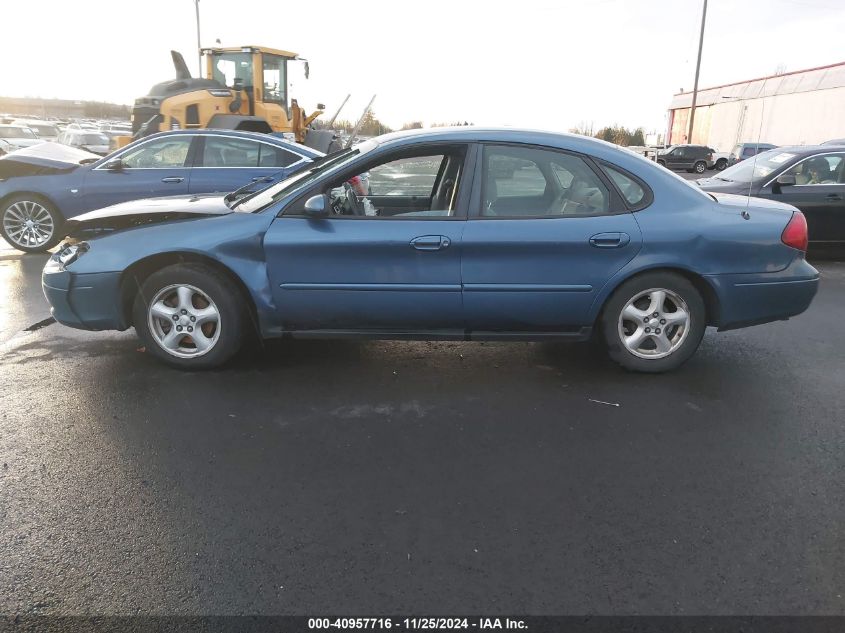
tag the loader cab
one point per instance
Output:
(260, 72)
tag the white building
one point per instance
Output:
(796, 108)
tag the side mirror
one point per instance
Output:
(115, 164)
(316, 207)
(785, 180)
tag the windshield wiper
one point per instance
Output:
(255, 181)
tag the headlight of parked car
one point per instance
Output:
(69, 253)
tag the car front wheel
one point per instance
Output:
(30, 224)
(721, 164)
(654, 323)
(190, 316)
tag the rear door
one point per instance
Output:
(225, 163)
(158, 167)
(549, 230)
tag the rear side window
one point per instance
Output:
(535, 182)
(633, 192)
(271, 156)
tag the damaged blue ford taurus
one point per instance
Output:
(448, 234)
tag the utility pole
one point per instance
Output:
(199, 46)
(697, 68)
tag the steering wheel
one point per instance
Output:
(352, 201)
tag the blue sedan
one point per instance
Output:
(461, 234)
(42, 186)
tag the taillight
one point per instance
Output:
(795, 233)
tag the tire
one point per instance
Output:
(214, 308)
(662, 163)
(30, 223)
(721, 164)
(663, 348)
(700, 167)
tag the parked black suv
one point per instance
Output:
(693, 158)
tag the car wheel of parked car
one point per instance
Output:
(190, 316)
(721, 164)
(30, 223)
(699, 167)
(662, 163)
(653, 323)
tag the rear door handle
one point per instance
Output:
(430, 242)
(172, 179)
(610, 240)
(833, 196)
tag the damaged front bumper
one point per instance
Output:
(87, 301)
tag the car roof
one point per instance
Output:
(807, 150)
(472, 134)
(303, 150)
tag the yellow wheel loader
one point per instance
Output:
(245, 88)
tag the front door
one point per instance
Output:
(549, 234)
(376, 264)
(159, 167)
(820, 194)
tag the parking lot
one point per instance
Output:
(376, 477)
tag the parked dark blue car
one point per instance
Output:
(462, 234)
(43, 186)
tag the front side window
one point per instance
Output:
(532, 182)
(402, 187)
(818, 170)
(161, 153)
(226, 67)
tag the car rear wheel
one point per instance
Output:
(190, 316)
(30, 224)
(653, 323)
(699, 167)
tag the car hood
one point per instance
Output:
(26, 142)
(102, 150)
(52, 156)
(142, 212)
(715, 185)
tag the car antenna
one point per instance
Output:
(745, 214)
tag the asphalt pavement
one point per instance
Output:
(428, 478)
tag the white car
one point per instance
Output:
(19, 136)
(44, 129)
(90, 140)
(720, 161)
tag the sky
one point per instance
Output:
(532, 63)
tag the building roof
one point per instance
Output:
(819, 78)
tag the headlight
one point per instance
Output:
(71, 252)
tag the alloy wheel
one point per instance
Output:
(184, 321)
(654, 323)
(28, 224)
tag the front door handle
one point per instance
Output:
(610, 240)
(430, 242)
(834, 197)
(172, 179)
(263, 179)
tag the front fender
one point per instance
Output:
(234, 241)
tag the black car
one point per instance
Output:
(743, 151)
(811, 178)
(693, 158)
